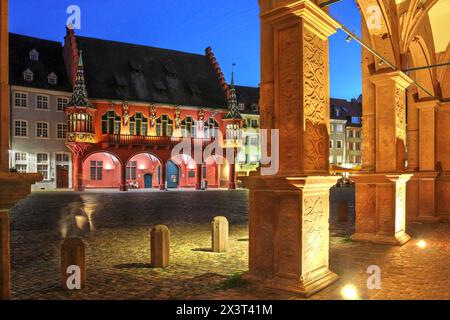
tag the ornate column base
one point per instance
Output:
(380, 208)
(13, 187)
(289, 232)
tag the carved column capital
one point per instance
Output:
(316, 20)
(399, 78)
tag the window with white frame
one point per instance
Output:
(20, 156)
(42, 129)
(52, 79)
(331, 144)
(21, 100)
(43, 165)
(61, 130)
(339, 144)
(34, 55)
(339, 159)
(339, 128)
(61, 103)
(62, 157)
(42, 102)
(21, 168)
(20, 128)
(28, 75)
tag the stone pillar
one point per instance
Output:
(232, 177)
(381, 195)
(198, 176)
(289, 211)
(73, 264)
(422, 189)
(78, 173)
(160, 246)
(162, 177)
(4, 87)
(123, 178)
(219, 231)
(5, 268)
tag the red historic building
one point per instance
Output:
(132, 105)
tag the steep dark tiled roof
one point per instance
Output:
(50, 60)
(250, 97)
(122, 71)
(341, 109)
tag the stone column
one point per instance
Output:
(162, 176)
(123, 178)
(5, 268)
(381, 195)
(78, 173)
(232, 173)
(425, 179)
(198, 176)
(4, 87)
(288, 212)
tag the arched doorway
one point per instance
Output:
(101, 170)
(142, 170)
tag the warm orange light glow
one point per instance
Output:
(349, 292)
(421, 244)
(142, 167)
(108, 167)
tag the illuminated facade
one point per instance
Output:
(122, 136)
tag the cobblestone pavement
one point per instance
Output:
(116, 233)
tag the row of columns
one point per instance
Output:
(288, 212)
(79, 186)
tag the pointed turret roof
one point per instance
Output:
(233, 112)
(79, 96)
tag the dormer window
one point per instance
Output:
(255, 108)
(28, 75)
(52, 79)
(241, 106)
(34, 55)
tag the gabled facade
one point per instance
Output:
(39, 91)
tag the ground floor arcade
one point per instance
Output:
(103, 170)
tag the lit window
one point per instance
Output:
(21, 168)
(339, 128)
(20, 100)
(62, 157)
(131, 170)
(20, 128)
(28, 75)
(61, 103)
(34, 55)
(96, 170)
(41, 129)
(20, 156)
(61, 130)
(42, 165)
(52, 78)
(42, 102)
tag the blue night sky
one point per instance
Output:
(230, 27)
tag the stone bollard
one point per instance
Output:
(5, 270)
(73, 264)
(160, 246)
(343, 211)
(219, 228)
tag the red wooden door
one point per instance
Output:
(62, 177)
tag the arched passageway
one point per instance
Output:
(143, 172)
(101, 170)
